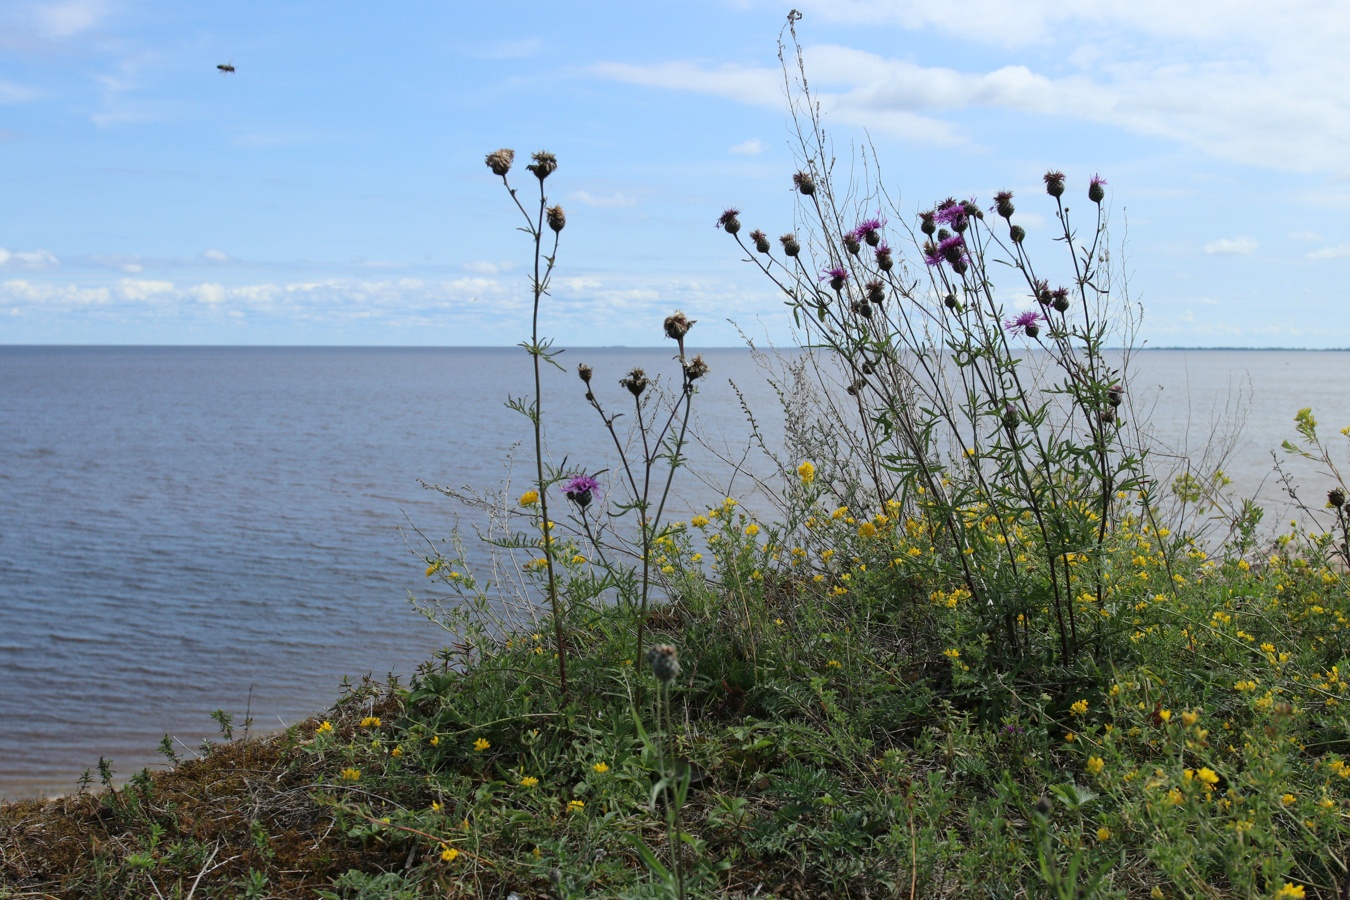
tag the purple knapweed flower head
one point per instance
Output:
(1028, 323)
(1003, 204)
(581, 489)
(728, 221)
(884, 261)
(953, 213)
(953, 250)
(837, 276)
(1054, 183)
(1095, 192)
(869, 230)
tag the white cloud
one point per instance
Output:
(14, 93)
(613, 200)
(28, 259)
(1238, 246)
(752, 147)
(1340, 251)
(69, 17)
(1304, 236)
(216, 256)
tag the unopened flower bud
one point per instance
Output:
(499, 161)
(728, 222)
(1054, 184)
(544, 165)
(926, 223)
(585, 372)
(665, 662)
(959, 266)
(1059, 299)
(803, 182)
(1114, 394)
(862, 308)
(876, 293)
(557, 219)
(851, 244)
(790, 245)
(1011, 417)
(761, 240)
(1336, 498)
(949, 301)
(1017, 233)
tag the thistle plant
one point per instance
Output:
(1001, 428)
(540, 350)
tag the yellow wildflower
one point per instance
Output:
(833, 664)
(529, 498)
(600, 768)
(1290, 892)
(1103, 834)
(1079, 708)
(396, 752)
(528, 781)
(351, 774)
(575, 805)
(370, 722)
(699, 521)
(325, 728)
(1095, 764)
(806, 472)
(448, 854)
(839, 513)
(1208, 776)
(481, 744)
(952, 653)
(752, 529)
(867, 530)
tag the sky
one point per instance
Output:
(332, 190)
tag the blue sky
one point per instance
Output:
(332, 190)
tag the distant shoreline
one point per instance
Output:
(3, 346)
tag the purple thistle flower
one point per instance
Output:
(581, 489)
(950, 213)
(838, 275)
(1027, 323)
(868, 230)
(728, 221)
(1095, 192)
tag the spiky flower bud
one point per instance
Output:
(884, 261)
(1115, 394)
(1003, 204)
(1017, 233)
(949, 301)
(585, 372)
(1011, 417)
(1043, 295)
(851, 244)
(1095, 192)
(862, 308)
(803, 182)
(677, 325)
(790, 245)
(1336, 498)
(1031, 330)
(1054, 184)
(926, 223)
(557, 219)
(875, 292)
(696, 368)
(635, 381)
(665, 662)
(544, 165)
(761, 240)
(1059, 299)
(499, 161)
(728, 222)
(959, 266)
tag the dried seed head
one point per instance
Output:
(499, 161)
(1107, 416)
(665, 662)
(761, 240)
(1336, 498)
(1114, 394)
(803, 182)
(635, 381)
(856, 387)
(695, 368)
(544, 165)
(585, 372)
(790, 245)
(557, 219)
(1003, 204)
(677, 326)
(868, 368)
(1054, 184)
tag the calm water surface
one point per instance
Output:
(186, 529)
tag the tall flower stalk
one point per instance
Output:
(540, 350)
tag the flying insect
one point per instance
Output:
(226, 67)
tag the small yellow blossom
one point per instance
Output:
(448, 854)
(528, 781)
(575, 805)
(952, 653)
(600, 768)
(436, 806)
(370, 722)
(1290, 892)
(1244, 686)
(325, 728)
(481, 744)
(529, 498)
(699, 521)
(833, 664)
(1103, 834)
(1165, 715)
(1079, 708)
(1288, 799)
(867, 530)
(839, 513)
(752, 529)
(806, 472)
(351, 774)
(1095, 764)
(1208, 776)
(1189, 717)
(435, 740)
(396, 752)
(433, 568)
